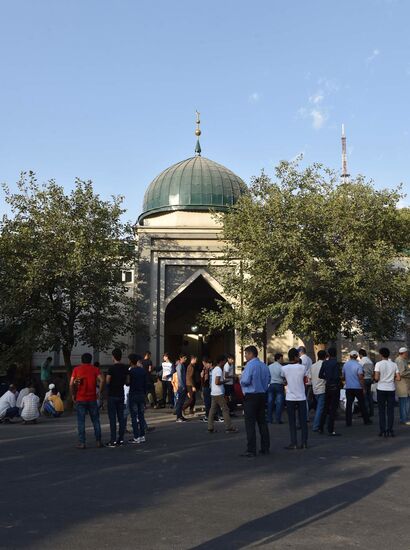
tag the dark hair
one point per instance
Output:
(384, 352)
(278, 356)
(181, 355)
(206, 359)
(12, 387)
(54, 391)
(134, 358)
(97, 364)
(221, 358)
(293, 354)
(253, 350)
(49, 358)
(362, 352)
(230, 356)
(147, 353)
(332, 352)
(166, 354)
(302, 348)
(321, 354)
(86, 358)
(117, 354)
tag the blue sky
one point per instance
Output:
(107, 90)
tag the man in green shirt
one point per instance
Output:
(45, 373)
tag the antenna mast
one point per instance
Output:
(345, 174)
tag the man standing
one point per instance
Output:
(229, 375)
(307, 363)
(254, 383)
(190, 385)
(8, 406)
(295, 375)
(354, 384)
(206, 387)
(83, 387)
(386, 373)
(45, 373)
(148, 366)
(30, 406)
(331, 375)
(181, 392)
(117, 377)
(136, 396)
(276, 389)
(368, 369)
(218, 397)
(319, 388)
(403, 386)
(167, 372)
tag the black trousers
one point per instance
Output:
(332, 397)
(385, 403)
(351, 394)
(254, 407)
(291, 407)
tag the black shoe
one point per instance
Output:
(150, 428)
(290, 447)
(111, 445)
(119, 443)
(333, 434)
(263, 452)
(382, 434)
(248, 455)
(392, 434)
(303, 446)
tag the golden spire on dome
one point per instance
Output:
(198, 133)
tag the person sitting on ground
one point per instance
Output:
(8, 407)
(30, 407)
(22, 393)
(51, 387)
(54, 406)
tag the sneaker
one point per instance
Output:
(182, 419)
(407, 423)
(141, 439)
(81, 446)
(290, 447)
(134, 440)
(220, 420)
(119, 443)
(333, 434)
(205, 419)
(111, 445)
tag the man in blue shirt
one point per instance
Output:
(181, 373)
(254, 382)
(355, 387)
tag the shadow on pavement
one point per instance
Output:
(272, 527)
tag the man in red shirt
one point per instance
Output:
(83, 387)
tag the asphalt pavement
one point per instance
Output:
(187, 489)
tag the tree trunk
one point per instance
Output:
(69, 370)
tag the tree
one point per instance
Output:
(318, 256)
(60, 273)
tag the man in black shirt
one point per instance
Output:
(331, 374)
(117, 377)
(138, 388)
(147, 364)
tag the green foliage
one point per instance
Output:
(316, 256)
(60, 271)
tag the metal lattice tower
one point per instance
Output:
(345, 174)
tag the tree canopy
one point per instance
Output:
(60, 272)
(316, 256)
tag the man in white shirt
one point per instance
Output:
(368, 369)
(229, 375)
(276, 390)
(8, 407)
(307, 363)
(30, 406)
(167, 372)
(319, 388)
(386, 373)
(218, 397)
(295, 373)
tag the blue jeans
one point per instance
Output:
(180, 401)
(115, 407)
(12, 412)
(206, 394)
(92, 408)
(137, 407)
(404, 405)
(276, 395)
(320, 404)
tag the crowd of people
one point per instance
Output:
(264, 391)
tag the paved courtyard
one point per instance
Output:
(186, 489)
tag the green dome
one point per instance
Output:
(197, 184)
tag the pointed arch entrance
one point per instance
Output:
(182, 331)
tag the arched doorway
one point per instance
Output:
(182, 330)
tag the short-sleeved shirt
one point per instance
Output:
(87, 388)
(167, 370)
(138, 380)
(229, 370)
(118, 373)
(45, 371)
(388, 370)
(351, 371)
(318, 384)
(295, 378)
(215, 388)
(368, 367)
(30, 407)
